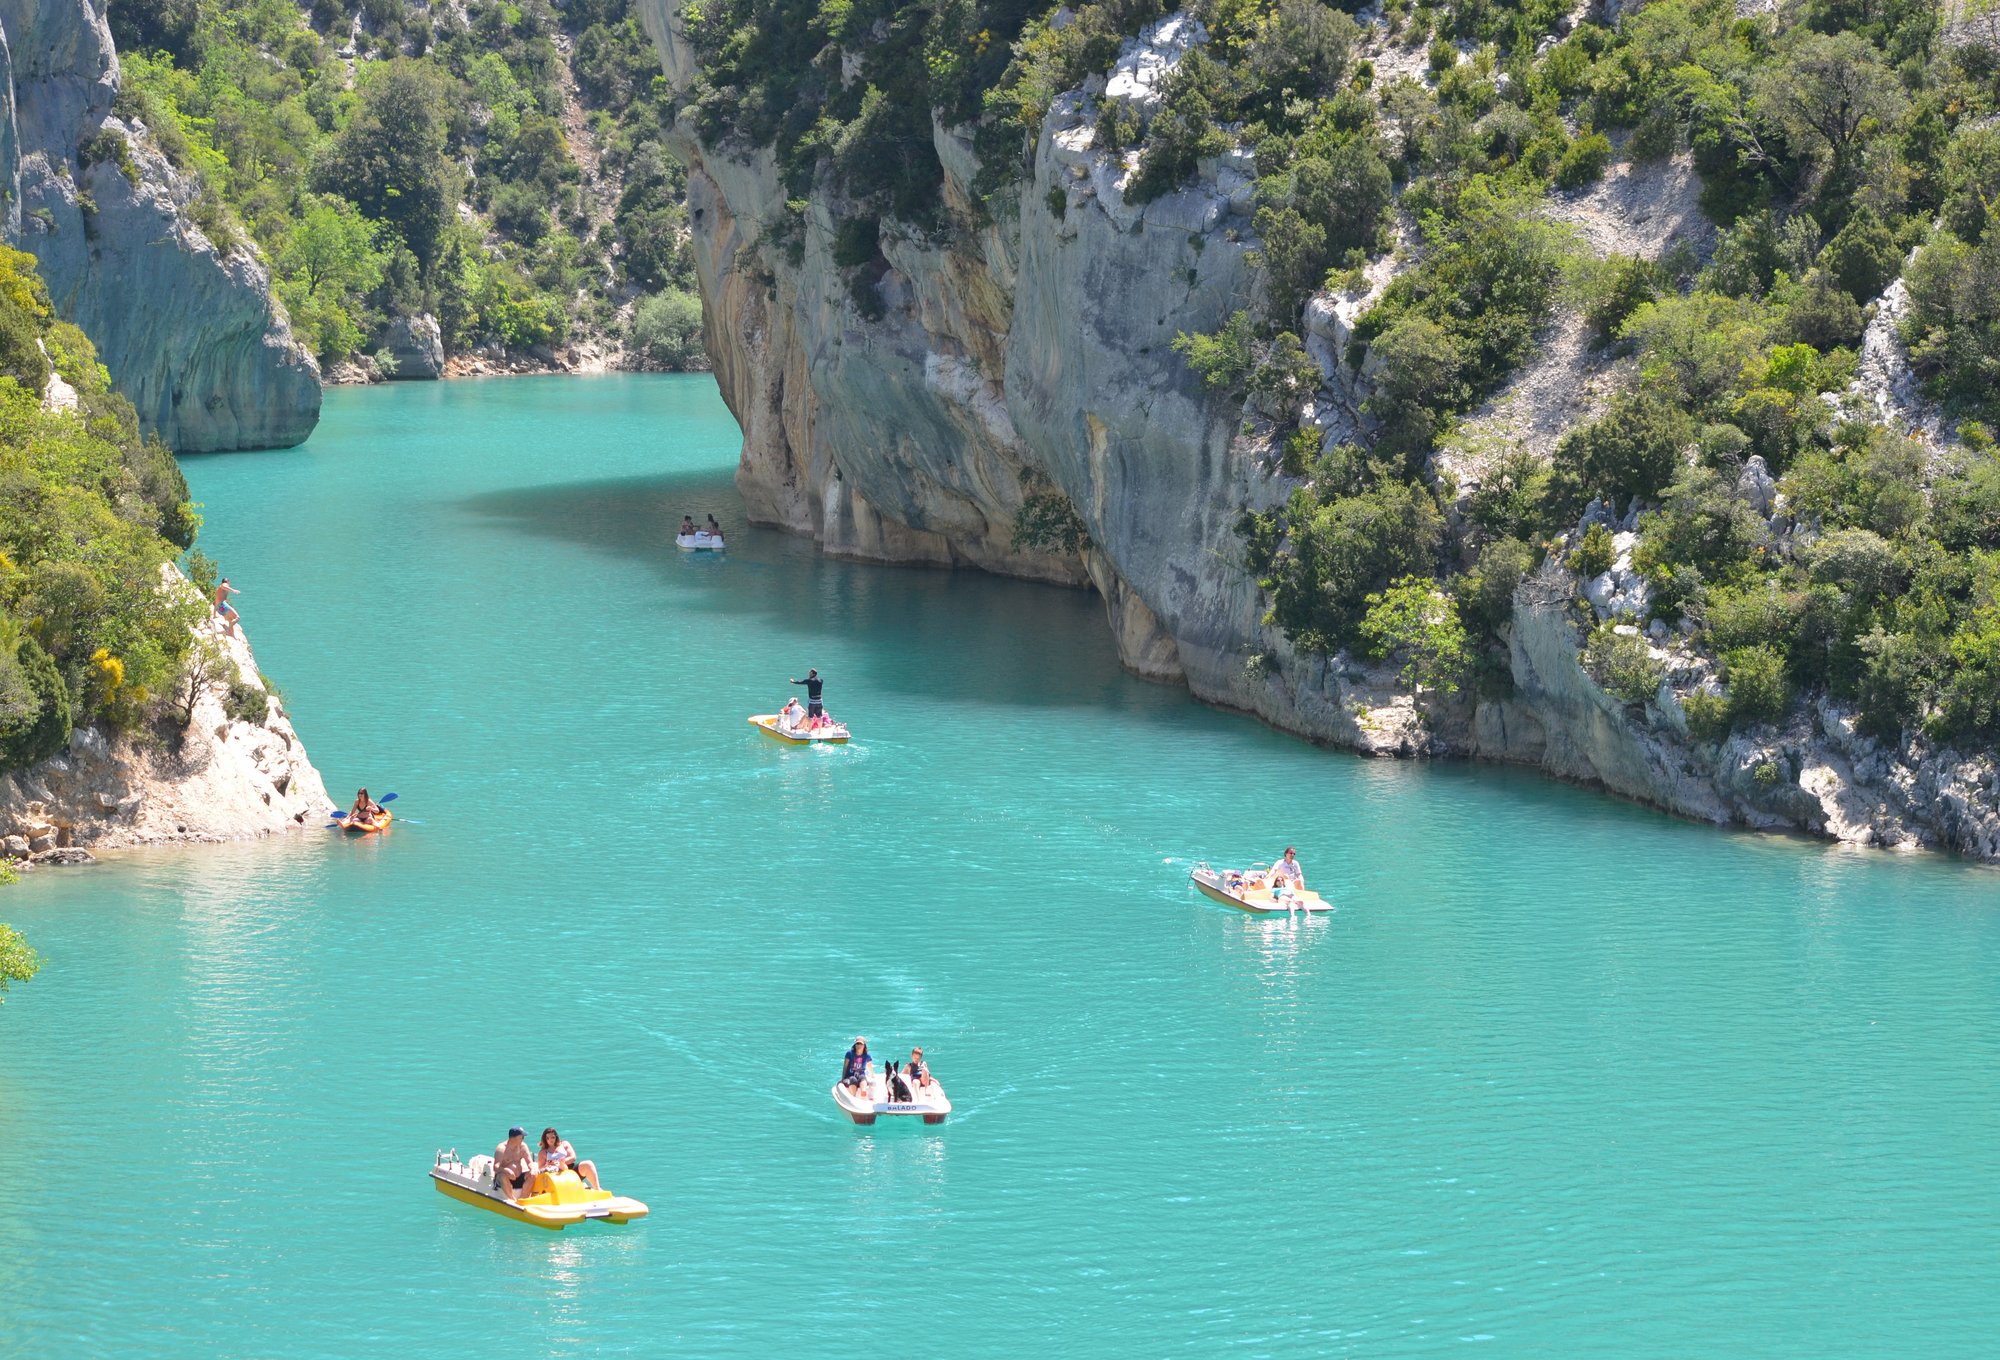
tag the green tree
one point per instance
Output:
(332, 247)
(1345, 549)
(391, 160)
(1827, 88)
(666, 328)
(1417, 623)
(18, 962)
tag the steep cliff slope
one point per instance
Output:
(188, 329)
(996, 382)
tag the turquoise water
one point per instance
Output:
(1560, 1076)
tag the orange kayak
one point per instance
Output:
(362, 828)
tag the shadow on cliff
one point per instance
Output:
(933, 632)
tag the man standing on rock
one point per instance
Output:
(223, 609)
(814, 709)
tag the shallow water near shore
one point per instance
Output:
(1559, 1076)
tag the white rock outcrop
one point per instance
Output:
(187, 329)
(225, 778)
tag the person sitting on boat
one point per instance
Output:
(556, 1154)
(365, 809)
(918, 1072)
(514, 1165)
(687, 526)
(813, 684)
(854, 1067)
(1288, 873)
(790, 714)
(714, 529)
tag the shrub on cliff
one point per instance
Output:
(1456, 325)
(1416, 623)
(87, 631)
(1340, 551)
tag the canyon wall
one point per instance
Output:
(1026, 350)
(186, 326)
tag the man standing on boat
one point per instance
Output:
(814, 709)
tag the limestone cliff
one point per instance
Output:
(1030, 347)
(232, 775)
(188, 329)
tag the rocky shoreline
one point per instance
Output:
(1029, 359)
(238, 772)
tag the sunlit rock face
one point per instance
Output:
(1027, 352)
(188, 331)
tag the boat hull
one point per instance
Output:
(1259, 901)
(368, 828)
(698, 543)
(865, 1109)
(558, 1201)
(767, 723)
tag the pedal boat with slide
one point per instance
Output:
(872, 1101)
(1251, 890)
(555, 1199)
(832, 733)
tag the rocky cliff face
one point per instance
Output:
(1033, 350)
(226, 778)
(187, 330)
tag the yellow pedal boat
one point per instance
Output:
(1250, 890)
(833, 733)
(556, 1200)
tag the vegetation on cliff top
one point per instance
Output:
(404, 160)
(1834, 142)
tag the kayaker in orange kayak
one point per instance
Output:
(365, 809)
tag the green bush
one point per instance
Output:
(1450, 330)
(1758, 689)
(1485, 594)
(1633, 451)
(666, 328)
(1583, 163)
(1593, 554)
(1047, 520)
(1418, 624)
(1622, 664)
(1344, 550)
(1616, 288)
(1863, 257)
(1969, 702)
(1707, 716)
(1759, 612)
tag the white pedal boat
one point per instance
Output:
(699, 542)
(866, 1105)
(1250, 890)
(555, 1200)
(774, 724)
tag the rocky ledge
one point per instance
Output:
(226, 777)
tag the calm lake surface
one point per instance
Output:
(1559, 1077)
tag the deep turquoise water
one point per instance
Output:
(1559, 1077)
